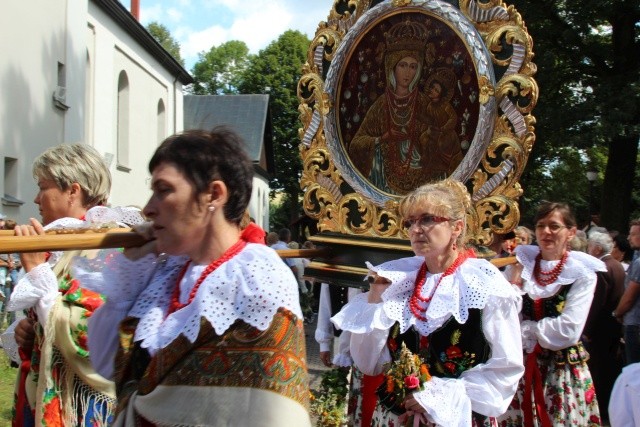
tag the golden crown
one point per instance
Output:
(406, 35)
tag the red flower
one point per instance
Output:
(392, 344)
(595, 419)
(454, 352)
(589, 395)
(411, 381)
(451, 367)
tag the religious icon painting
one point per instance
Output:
(406, 87)
(399, 93)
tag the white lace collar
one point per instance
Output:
(469, 287)
(250, 287)
(578, 265)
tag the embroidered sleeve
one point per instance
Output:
(37, 288)
(565, 330)
(491, 385)
(114, 275)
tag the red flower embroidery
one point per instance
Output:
(393, 345)
(454, 352)
(451, 367)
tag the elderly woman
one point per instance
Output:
(210, 332)
(455, 311)
(557, 287)
(57, 384)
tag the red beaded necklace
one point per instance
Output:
(544, 278)
(175, 304)
(417, 298)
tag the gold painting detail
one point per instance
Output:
(493, 182)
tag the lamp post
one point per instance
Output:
(592, 176)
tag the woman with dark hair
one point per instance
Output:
(622, 250)
(557, 287)
(210, 326)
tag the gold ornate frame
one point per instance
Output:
(492, 177)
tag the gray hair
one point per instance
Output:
(66, 164)
(603, 240)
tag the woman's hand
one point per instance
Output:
(411, 404)
(150, 247)
(325, 357)
(378, 285)
(25, 333)
(32, 259)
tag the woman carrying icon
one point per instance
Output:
(210, 326)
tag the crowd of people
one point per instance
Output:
(210, 319)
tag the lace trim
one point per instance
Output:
(474, 285)
(100, 217)
(471, 286)
(578, 265)
(251, 287)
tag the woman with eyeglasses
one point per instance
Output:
(457, 312)
(557, 286)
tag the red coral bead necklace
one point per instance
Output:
(175, 303)
(417, 299)
(544, 278)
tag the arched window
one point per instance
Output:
(123, 121)
(88, 101)
(162, 121)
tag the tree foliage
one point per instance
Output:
(164, 37)
(276, 71)
(220, 70)
(588, 113)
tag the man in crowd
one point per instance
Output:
(628, 310)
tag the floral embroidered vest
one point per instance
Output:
(546, 307)
(451, 349)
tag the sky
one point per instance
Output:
(200, 24)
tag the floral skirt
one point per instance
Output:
(568, 389)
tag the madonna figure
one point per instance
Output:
(385, 149)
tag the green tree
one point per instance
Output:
(276, 71)
(164, 37)
(219, 71)
(588, 58)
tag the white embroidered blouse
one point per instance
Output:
(556, 333)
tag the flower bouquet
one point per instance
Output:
(329, 402)
(407, 374)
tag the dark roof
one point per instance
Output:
(131, 26)
(249, 115)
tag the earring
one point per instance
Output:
(211, 208)
(454, 246)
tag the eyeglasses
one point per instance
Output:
(423, 221)
(553, 227)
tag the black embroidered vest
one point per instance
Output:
(551, 306)
(448, 351)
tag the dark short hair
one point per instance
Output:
(621, 242)
(546, 208)
(284, 234)
(206, 156)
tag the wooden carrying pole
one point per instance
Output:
(64, 240)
